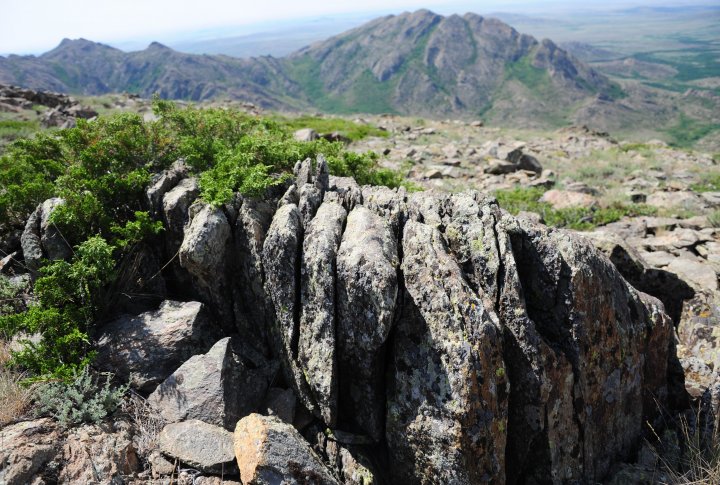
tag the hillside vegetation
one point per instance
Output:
(101, 170)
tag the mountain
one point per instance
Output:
(416, 63)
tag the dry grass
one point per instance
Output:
(15, 398)
(146, 421)
(699, 462)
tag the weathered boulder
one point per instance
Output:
(500, 167)
(367, 292)
(201, 445)
(204, 253)
(217, 388)
(145, 349)
(447, 400)
(593, 330)
(27, 448)
(306, 134)
(41, 239)
(98, 454)
(316, 344)
(270, 451)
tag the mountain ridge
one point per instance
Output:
(418, 63)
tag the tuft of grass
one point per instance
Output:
(714, 218)
(711, 183)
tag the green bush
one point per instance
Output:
(84, 399)
(68, 296)
(711, 183)
(101, 169)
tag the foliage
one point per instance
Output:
(10, 301)
(68, 298)
(688, 130)
(84, 399)
(102, 169)
(578, 218)
(714, 218)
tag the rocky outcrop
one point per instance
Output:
(145, 349)
(270, 451)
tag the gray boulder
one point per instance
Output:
(145, 349)
(204, 253)
(175, 205)
(41, 239)
(367, 291)
(200, 445)
(161, 184)
(217, 388)
(270, 451)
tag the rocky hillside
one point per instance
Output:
(416, 63)
(276, 321)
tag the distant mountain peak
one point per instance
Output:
(158, 46)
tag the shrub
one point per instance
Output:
(68, 298)
(85, 399)
(102, 169)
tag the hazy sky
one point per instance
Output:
(32, 26)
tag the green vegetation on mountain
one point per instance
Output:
(101, 169)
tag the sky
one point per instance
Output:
(117, 22)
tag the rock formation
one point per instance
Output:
(428, 338)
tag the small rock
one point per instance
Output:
(477, 124)
(203, 446)
(563, 199)
(146, 348)
(712, 198)
(270, 451)
(500, 167)
(306, 134)
(433, 173)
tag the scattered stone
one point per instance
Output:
(306, 134)
(500, 167)
(563, 199)
(433, 173)
(200, 445)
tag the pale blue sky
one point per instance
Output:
(33, 26)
